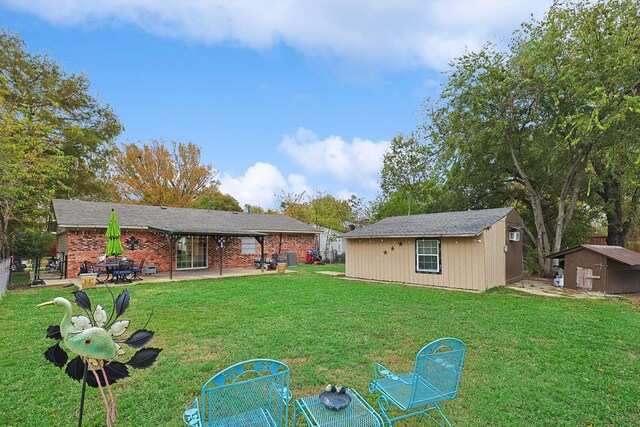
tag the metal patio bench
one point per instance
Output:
(435, 378)
(250, 393)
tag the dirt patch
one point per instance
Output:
(296, 360)
(633, 298)
(544, 287)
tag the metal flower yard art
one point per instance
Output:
(97, 341)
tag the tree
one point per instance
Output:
(77, 123)
(362, 212)
(405, 166)
(155, 174)
(526, 123)
(319, 208)
(31, 170)
(328, 211)
(293, 205)
(617, 183)
(212, 198)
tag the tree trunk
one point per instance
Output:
(612, 195)
(570, 194)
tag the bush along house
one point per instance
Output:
(175, 239)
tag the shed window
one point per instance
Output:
(249, 245)
(428, 256)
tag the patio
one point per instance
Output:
(164, 276)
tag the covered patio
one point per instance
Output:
(164, 277)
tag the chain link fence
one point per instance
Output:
(5, 275)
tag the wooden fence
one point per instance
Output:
(631, 244)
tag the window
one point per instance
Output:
(249, 245)
(428, 256)
(191, 252)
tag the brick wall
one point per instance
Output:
(232, 255)
(90, 244)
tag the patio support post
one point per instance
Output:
(260, 240)
(220, 240)
(170, 237)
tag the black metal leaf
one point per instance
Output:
(82, 300)
(115, 371)
(75, 368)
(56, 355)
(144, 358)
(91, 378)
(139, 338)
(122, 303)
(53, 332)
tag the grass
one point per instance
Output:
(531, 360)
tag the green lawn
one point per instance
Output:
(531, 360)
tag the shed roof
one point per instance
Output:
(81, 214)
(616, 253)
(463, 223)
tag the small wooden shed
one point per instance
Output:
(601, 268)
(472, 250)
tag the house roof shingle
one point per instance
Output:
(81, 214)
(463, 223)
(617, 253)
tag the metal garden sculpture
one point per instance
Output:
(96, 341)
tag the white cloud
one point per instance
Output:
(260, 183)
(356, 164)
(404, 33)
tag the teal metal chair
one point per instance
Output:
(435, 378)
(250, 393)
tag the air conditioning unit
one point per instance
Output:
(514, 236)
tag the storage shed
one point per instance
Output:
(473, 250)
(601, 268)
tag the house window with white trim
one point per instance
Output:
(428, 256)
(191, 252)
(249, 245)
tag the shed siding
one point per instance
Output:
(463, 262)
(514, 249)
(585, 259)
(620, 279)
(494, 256)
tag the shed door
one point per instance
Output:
(584, 278)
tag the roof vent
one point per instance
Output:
(163, 207)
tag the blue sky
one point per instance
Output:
(280, 95)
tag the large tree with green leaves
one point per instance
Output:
(31, 170)
(318, 208)
(78, 124)
(526, 123)
(405, 168)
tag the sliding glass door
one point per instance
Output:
(191, 252)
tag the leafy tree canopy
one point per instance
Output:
(163, 174)
(523, 126)
(212, 198)
(34, 86)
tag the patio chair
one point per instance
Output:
(250, 393)
(435, 378)
(88, 267)
(138, 269)
(122, 272)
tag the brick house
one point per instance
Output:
(174, 239)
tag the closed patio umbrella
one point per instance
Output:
(114, 246)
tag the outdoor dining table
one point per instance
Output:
(110, 267)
